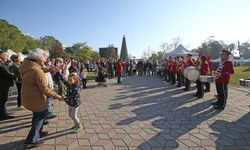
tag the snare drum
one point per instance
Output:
(206, 78)
(242, 82)
(247, 83)
(191, 73)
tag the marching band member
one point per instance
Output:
(166, 70)
(203, 68)
(207, 84)
(189, 62)
(169, 69)
(179, 69)
(173, 71)
(224, 70)
(182, 70)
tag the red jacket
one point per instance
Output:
(166, 66)
(189, 63)
(204, 70)
(224, 71)
(119, 67)
(173, 67)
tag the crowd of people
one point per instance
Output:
(34, 78)
(106, 68)
(36, 75)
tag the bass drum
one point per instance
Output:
(191, 73)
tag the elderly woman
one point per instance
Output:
(35, 91)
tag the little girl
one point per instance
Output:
(72, 98)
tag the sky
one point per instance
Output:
(146, 24)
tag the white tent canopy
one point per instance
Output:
(22, 56)
(179, 51)
(10, 52)
(241, 60)
(217, 60)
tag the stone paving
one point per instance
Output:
(141, 113)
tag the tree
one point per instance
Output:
(48, 42)
(95, 55)
(211, 48)
(31, 43)
(147, 53)
(11, 37)
(244, 50)
(82, 51)
(57, 51)
(231, 47)
(166, 47)
(54, 46)
(176, 41)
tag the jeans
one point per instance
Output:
(50, 113)
(73, 114)
(36, 126)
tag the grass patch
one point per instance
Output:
(240, 72)
(91, 76)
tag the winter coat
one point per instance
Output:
(35, 88)
(72, 97)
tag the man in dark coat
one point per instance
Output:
(7, 80)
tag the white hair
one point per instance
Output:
(37, 54)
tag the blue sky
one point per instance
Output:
(146, 23)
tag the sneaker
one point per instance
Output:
(52, 116)
(214, 103)
(73, 127)
(43, 134)
(218, 107)
(45, 122)
(33, 145)
(78, 128)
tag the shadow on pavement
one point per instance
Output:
(17, 145)
(229, 134)
(171, 114)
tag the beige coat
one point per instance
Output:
(34, 87)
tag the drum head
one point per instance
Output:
(193, 75)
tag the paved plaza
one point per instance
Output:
(141, 113)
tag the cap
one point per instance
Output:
(226, 51)
(203, 57)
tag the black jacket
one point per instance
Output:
(72, 98)
(6, 77)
